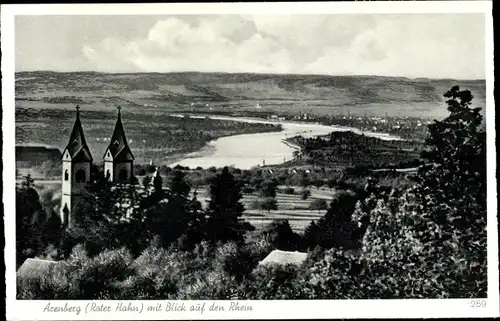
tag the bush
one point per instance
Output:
(272, 283)
(334, 275)
(269, 204)
(80, 277)
(281, 236)
(318, 204)
(268, 188)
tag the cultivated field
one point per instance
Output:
(290, 207)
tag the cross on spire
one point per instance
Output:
(77, 108)
(119, 108)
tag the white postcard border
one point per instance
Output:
(24, 310)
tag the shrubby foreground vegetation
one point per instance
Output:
(427, 240)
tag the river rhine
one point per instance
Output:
(250, 150)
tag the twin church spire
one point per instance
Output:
(117, 150)
(77, 161)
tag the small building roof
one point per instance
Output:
(284, 257)
(34, 267)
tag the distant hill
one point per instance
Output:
(306, 93)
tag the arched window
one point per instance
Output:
(123, 175)
(108, 175)
(66, 175)
(80, 176)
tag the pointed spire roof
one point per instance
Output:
(118, 146)
(77, 146)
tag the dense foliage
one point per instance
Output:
(348, 149)
(36, 230)
(423, 241)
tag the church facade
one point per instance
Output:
(77, 162)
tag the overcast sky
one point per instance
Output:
(410, 45)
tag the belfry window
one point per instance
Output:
(66, 175)
(80, 176)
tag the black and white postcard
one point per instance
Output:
(249, 160)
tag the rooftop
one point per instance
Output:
(284, 257)
(34, 267)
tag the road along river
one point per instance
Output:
(250, 150)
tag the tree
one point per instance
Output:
(225, 209)
(27, 182)
(170, 220)
(335, 228)
(146, 180)
(268, 188)
(304, 180)
(318, 183)
(52, 230)
(106, 218)
(269, 204)
(158, 183)
(305, 194)
(430, 241)
(282, 237)
(178, 185)
(196, 226)
(451, 192)
(30, 220)
(318, 204)
(256, 182)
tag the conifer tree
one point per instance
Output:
(225, 209)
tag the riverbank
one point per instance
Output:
(202, 140)
(262, 149)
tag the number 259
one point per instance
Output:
(478, 303)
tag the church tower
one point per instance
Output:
(76, 163)
(118, 158)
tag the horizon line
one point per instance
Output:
(245, 72)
